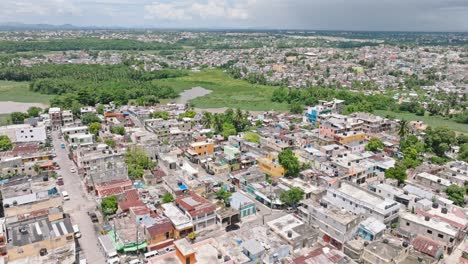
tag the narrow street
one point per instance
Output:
(78, 205)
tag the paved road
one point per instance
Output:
(78, 205)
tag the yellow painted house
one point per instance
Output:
(270, 165)
(349, 137)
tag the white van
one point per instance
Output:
(135, 261)
(83, 261)
(76, 231)
(65, 195)
(114, 260)
(151, 254)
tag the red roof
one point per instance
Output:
(427, 245)
(140, 210)
(195, 205)
(319, 256)
(125, 206)
(163, 226)
(132, 195)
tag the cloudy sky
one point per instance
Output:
(405, 15)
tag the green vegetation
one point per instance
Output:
(84, 44)
(19, 92)
(109, 205)
(456, 194)
(439, 140)
(398, 173)
(227, 91)
(229, 123)
(167, 198)
(374, 144)
(94, 128)
(433, 121)
(223, 195)
(5, 143)
(463, 154)
(109, 142)
(137, 162)
(77, 84)
(290, 162)
(119, 130)
(89, 118)
(292, 197)
(252, 137)
(160, 114)
(34, 111)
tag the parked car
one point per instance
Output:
(93, 217)
(72, 170)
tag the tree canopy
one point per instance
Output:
(5, 143)
(398, 173)
(94, 128)
(440, 139)
(456, 194)
(290, 162)
(109, 205)
(374, 144)
(167, 198)
(137, 162)
(292, 197)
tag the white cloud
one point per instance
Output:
(206, 10)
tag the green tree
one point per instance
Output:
(456, 194)
(463, 153)
(292, 197)
(411, 157)
(440, 139)
(223, 195)
(403, 128)
(109, 142)
(161, 114)
(119, 130)
(290, 162)
(167, 198)
(5, 143)
(207, 119)
(137, 162)
(94, 128)
(374, 144)
(34, 111)
(296, 108)
(109, 205)
(398, 173)
(17, 117)
(228, 130)
(100, 109)
(89, 118)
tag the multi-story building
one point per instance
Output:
(269, 164)
(361, 201)
(100, 164)
(336, 226)
(67, 118)
(55, 116)
(181, 222)
(22, 133)
(73, 130)
(200, 211)
(414, 224)
(32, 236)
(202, 148)
(242, 203)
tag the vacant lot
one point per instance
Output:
(227, 91)
(19, 92)
(434, 121)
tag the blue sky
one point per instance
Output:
(405, 15)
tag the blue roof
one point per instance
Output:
(183, 187)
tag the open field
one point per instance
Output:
(227, 91)
(4, 119)
(19, 92)
(434, 121)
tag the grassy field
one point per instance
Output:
(19, 92)
(434, 121)
(4, 118)
(227, 91)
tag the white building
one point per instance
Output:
(24, 133)
(361, 201)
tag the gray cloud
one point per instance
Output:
(401, 15)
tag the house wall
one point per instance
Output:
(34, 248)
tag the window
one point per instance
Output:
(334, 195)
(451, 239)
(429, 231)
(407, 224)
(440, 236)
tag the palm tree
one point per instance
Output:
(403, 128)
(218, 122)
(238, 118)
(207, 119)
